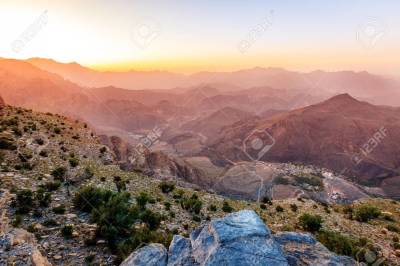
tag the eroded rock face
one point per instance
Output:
(240, 238)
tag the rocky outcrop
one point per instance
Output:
(240, 238)
(303, 249)
(17, 246)
(2, 103)
(153, 254)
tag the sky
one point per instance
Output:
(190, 36)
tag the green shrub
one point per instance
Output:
(338, 243)
(43, 153)
(89, 197)
(310, 222)
(57, 130)
(60, 209)
(59, 172)
(279, 208)
(166, 186)
(212, 208)
(73, 162)
(88, 173)
(167, 206)
(364, 213)
(67, 231)
(52, 186)
(17, 220)
(152, 219)
(192, 204)
(115, 217)
(393, 228)
(24, 201)
(311, 180)
(39, 141)
(7, 144)
(119, 183)
(43, 198)
(293, 207)
(226, 207)
(266, 200)
(280, 180)
(142, 199)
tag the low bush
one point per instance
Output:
(90, 197)
(310, 222)
(393, 228)
(59, 173)
(24, 201)
(67, 231)
(338, 243)
(226, 207)
(166, 186)
(364, 213)
(73, 162)
(192, 204)
(60, 209)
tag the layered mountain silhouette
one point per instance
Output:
(206, 116)
(363, 85)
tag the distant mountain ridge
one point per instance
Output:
(360, 84)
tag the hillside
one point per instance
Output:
(348, 136)
(47, 160)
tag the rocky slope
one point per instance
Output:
(47, 159)
(239, 238)
(342, 134)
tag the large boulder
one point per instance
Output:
(303, 249)
(151, 255)
(239, 238)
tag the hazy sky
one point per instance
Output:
(205, 35)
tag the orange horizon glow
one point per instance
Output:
(106, 38)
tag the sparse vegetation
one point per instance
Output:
(226, 207)
(310, 222)
(364, 213)
(192, 204)
(166, 186)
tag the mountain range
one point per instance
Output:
(297, 119)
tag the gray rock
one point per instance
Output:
(180, 252)
(239, 238)
(303, 249)
(151, 255)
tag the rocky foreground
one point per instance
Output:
(240, 238)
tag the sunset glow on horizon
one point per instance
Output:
(190, 36)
